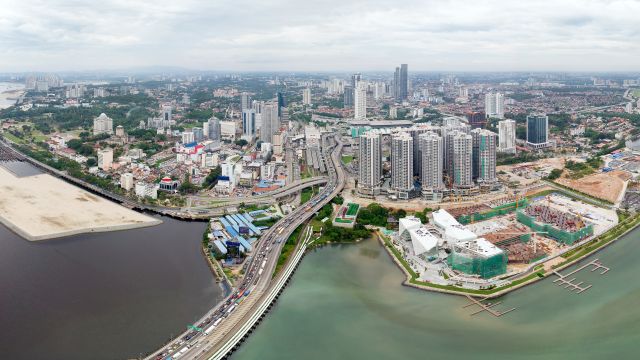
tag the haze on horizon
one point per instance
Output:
(329, 35)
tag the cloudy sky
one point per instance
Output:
(326, 35)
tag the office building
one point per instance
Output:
(102, 125)
(401, 83)
(360, 101)
(228, 130)
(484, 155)
(278, 143)
(306, 96)
(462, 168)
(369, 162)
(166, 112)
(494, 105)
(248, 124)
(431, 159)
(507, 136)
(245, 101)
(402, 164)
(120, 131)
(270, 122)
(105, 159)
(144, 190)
(348, 96)
(537, 131)
(198, 133)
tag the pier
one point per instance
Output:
(488, 307)
(571, 285)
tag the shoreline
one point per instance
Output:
(97, 229)
(527, 279)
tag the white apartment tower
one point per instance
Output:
(507, 136)
(432, 159)
(494, 105)
(306, 96)
(102, 125)
(484, 155)
(369, 161)
(462, 168)
(360, 101)
(402, 164)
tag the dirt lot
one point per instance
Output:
(607, 186)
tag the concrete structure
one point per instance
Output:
(370, 162)
(431, 157)
(402, 165)
(248, 124)
(146, 190)
(401, 83)
(360, 101)
(494, 105)
(126, 181)
(537, 131)
(166, 112)
(245, 101)
(270, 122)
(120, 131)
(478, 257)
(188, 137)
(227, 130)
(507, 136)
(462, 166)
(484, 155)
(102, 125)
(212, 129)
(278, 143)
(105, 159)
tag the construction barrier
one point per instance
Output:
(485, 267)
(497, 211)
(562, 236)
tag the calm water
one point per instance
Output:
(101, 296)
(347, 302)
(6, 86)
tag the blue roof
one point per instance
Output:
(248, 217)
(220, 246)
(244, 243)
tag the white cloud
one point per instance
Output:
(323, 35)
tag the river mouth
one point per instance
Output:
(110, 295)
(348, 302)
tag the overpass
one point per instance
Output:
(233, 325)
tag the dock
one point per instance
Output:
(571, 285)
(488, 307)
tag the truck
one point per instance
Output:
(208, 330)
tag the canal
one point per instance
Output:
(347, 302)
(109, 295)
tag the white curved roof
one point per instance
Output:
(443, 219)
(456, 233)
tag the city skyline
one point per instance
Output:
(546, 36)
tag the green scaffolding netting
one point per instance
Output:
(485, 267)
(497, 211)
(562, 236)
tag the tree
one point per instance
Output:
(554, 174)
(241, 142)
(212, 179)
(92, 162)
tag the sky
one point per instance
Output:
(327, 35)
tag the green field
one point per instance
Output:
(9, 136)
(636, 93)
(352, 209)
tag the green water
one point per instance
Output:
(347, 302)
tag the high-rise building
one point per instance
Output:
(396, 84)
(281, 103)
(213, 128)
(198, 133)
(402, 164)
(462, 168)
(188, 137)
(431, 158)
(448, 132)
(494, 105)
(306, 96)
(369, 161)
(484, 155)
(102, 125)
(360, 101)
(537, 130)
(270, 122)
(278, 143)
(507, 136)
(245, 101)
(166, 112)
(476, 119)
(248, 124)
(415, 132)
(105, 158)
(404, 81)
(348, 96)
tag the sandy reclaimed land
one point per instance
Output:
(607, 186)
(43, 207)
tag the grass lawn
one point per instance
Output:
(636, 93)
(12, 137)
(346, 159)
(307, 194)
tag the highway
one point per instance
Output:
(217, 333)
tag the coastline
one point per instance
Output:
(525, 280)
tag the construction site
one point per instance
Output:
(482, 245)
